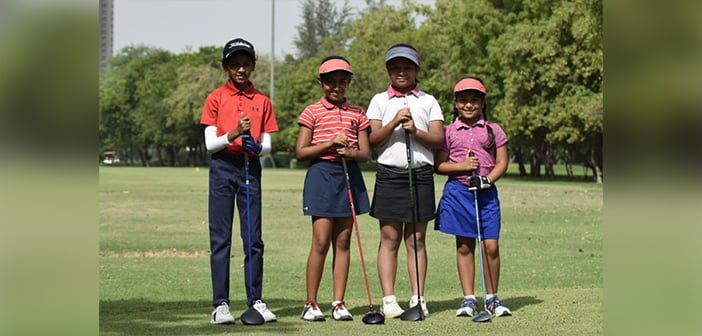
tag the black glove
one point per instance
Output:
(250, 145)
(476, 182)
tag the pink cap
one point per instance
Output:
(469, 84)
(334, 64)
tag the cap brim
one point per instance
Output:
(326, 71)
(403, 55)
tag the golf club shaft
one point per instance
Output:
(480, 240)
(413, 202)
(355, 226)
(248, 222)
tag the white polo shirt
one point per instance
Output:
(424, 108)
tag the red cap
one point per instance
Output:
(335, 64)
(469, 84)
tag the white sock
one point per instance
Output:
(334, 303)
(490, 296)
(469, 296)
(389, 298)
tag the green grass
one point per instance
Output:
(154, 265)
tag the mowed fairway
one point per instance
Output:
(155, 276)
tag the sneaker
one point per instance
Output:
(413, 302)
(468, 308)
(390, 308)
(222, 315)
(262, 309)
(339, 311)
(311, 312)
(495, 307)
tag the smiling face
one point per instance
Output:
(334, 85)
(470, 105)
(403, 74)
(239, 67)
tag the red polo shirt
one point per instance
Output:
(326, 120)
(224, 105)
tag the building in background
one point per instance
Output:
(106, 16)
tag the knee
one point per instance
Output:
(320, 246)
(390, 243)
(464, 250)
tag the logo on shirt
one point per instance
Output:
(254, 109)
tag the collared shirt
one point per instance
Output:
(326, 120)
(424, 109)
(394, 93)
(224, 106)
(459, 138)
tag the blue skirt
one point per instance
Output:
(326, 194)
(456, 212)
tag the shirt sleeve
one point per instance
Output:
(306, 119)
(500, 135)
(209, 111)
(435, 111)
(373, 112)
(269, 122)
(363, 122)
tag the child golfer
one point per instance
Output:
(403, 108)
(237, 119)
(471, 132)
(332, 129)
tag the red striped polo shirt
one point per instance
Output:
(326, 120)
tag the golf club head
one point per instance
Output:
(373, 317)
(413, 314)
(252, 317)
(483, 316)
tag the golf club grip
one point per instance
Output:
(471, 154)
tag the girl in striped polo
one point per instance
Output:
(330, 129)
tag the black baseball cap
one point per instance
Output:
(238, 44)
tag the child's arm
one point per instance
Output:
(501, 161)
(431, 139)
(379, 134)
(443, 166)
(305, 150)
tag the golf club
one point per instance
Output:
(372, 317)
(483, 316)
(415, 313)
(250, 316)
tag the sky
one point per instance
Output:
(175, 25)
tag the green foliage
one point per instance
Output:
(542, 62)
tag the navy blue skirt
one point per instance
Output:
(456, 212)
(326, 194)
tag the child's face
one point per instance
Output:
(402, 72)
(239, 67)
(334, 85)
(469, 104)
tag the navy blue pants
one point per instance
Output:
(227, 185)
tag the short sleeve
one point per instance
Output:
(435, 111)
(270, 124)
(500, 136)
(306, 119)
(445, 144)
(363, 122)
(374, 112)
(209, 110)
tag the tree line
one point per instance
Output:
(541, 60)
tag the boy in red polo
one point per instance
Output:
(237, 119)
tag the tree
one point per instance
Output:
(320, 20)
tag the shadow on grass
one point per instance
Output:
(146, 317)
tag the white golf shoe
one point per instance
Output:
(311, 312)
(413, 302)
(468, 307)
(339, 311)
(221, 314)
(495, 307)
(262, 309)
(390, 308)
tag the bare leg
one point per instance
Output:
(465, 261)
(390, 239)
(321, 237)
(421, 255)
(492, 264)
(341, 240)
